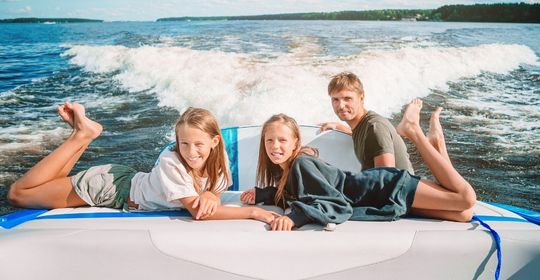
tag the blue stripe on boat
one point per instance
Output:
(98, 215)
(14, 219)
(501, 219)
(529, 215)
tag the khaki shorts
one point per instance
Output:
(104, 185)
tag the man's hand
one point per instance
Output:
(335, 126)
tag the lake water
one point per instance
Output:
(136, 77)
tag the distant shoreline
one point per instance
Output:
(508, 13)
(48, 20)
(511, 13)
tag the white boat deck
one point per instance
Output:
(175, 246)
(162, 247)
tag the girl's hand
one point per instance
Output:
(264, 216)
(282, 223)
(207, 202)
(248, 197)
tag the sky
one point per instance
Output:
(150, 10)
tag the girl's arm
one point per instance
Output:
(230, 213)
(207, 204)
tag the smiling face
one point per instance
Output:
(195, 146)
(279, 143)
(348, 106)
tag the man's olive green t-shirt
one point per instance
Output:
(374, 136)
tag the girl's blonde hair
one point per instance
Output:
(215, 165)
(270, 174)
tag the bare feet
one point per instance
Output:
(410, 124)
(82, 125)
(435, 134)
(66, 113)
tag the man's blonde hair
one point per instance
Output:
(345, 81)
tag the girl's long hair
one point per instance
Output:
(215, 165)
(270, 174)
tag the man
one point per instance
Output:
(376, 142)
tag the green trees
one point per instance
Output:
(46, 20)
(519, 12)
(389, 14)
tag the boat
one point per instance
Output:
(501, 242)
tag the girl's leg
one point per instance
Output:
(458, 216)
(432, 200)
(66, 113)
(454, 193)
(41, 186)
(57, 193)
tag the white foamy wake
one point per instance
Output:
(245, 89)
(24, 137)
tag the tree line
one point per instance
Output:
(515, 12)
(503, 12)
(48, 20)
(518, 12)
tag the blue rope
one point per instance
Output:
(497, 245)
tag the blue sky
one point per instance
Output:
(111, 10)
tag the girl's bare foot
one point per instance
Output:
(410, 124)
(82, 125)
(435, 133)
(65, 112)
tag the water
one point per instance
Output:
(135, 78)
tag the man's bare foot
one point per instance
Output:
(65, 112)
(82, 125)
(410, 124)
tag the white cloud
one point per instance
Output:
(25, 10)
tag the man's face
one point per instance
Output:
(347, 104)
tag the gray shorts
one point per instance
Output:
(104, 185)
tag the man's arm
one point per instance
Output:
(335, 126)
(379, 145)
(385, 160)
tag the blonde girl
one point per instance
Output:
(191, 175)
(319, 193)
